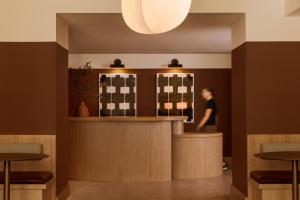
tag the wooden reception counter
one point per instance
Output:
(123, 149)
(197, 155)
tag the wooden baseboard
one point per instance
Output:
(235, 194)
(64, 194)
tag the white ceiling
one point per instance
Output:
(108, 34)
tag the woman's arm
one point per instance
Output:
(204, 119)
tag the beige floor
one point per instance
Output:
(206, 189)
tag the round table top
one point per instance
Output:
(282, 155)
(21, 156)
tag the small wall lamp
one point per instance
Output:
(117, 64)
(175, 63)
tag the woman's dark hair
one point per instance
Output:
(210, 90)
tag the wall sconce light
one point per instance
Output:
(117, 64)
(175, 63)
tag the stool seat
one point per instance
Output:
(272, 177)
(28, 177)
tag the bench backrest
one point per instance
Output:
(21, 148)
(271, 147)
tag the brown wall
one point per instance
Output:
(27, 88)
(265, 96)
(34, 95)
(62, 113)
(239, 136)
(273, 81)
(219, 79)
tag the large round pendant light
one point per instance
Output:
(154, 16)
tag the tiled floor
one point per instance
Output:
(206, 189)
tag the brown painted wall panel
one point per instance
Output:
(219, 79)
(265, 96)
(34, 95)
(27, 87)
(62, 128)
(273, 81)
(239, 136)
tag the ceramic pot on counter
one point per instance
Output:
(83, 110)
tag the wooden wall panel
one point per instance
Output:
(134, 152)
(253, 163)
(31, 192)
(197, 156)
(48, 164)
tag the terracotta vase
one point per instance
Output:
(83, 110)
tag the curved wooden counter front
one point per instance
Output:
(121, 149)
(197, 155)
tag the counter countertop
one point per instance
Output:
(198, 135)
(125, 119)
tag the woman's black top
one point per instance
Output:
(211, 104)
